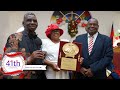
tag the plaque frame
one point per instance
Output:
(75, 57)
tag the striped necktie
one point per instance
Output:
(90, 44)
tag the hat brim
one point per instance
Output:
(49, 33)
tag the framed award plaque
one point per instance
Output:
(69, 56)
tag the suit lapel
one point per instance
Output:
(86, 44)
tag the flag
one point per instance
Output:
(112, 33)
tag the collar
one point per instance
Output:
(95, 35)
(25, 32)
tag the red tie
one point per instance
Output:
(90, 44)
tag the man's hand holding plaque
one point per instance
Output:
(69, 57)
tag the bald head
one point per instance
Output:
(93, 19)
(92, 26)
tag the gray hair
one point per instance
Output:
(29, 13)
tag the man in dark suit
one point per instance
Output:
(97, 53)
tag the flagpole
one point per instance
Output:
(112, 34)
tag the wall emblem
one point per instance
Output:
(74, 19)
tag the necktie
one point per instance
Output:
(90, 44)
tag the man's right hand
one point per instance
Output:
(38, 54)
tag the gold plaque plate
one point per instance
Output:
(70, 49)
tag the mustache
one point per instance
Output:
(92, 28)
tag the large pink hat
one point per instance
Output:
(51, 28)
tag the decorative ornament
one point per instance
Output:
(74, 19)
(72, 28)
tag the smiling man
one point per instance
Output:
(97, 52)
(29, 44)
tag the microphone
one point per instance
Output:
(38, 43)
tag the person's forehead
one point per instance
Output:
(30, 17)
(92, 21)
